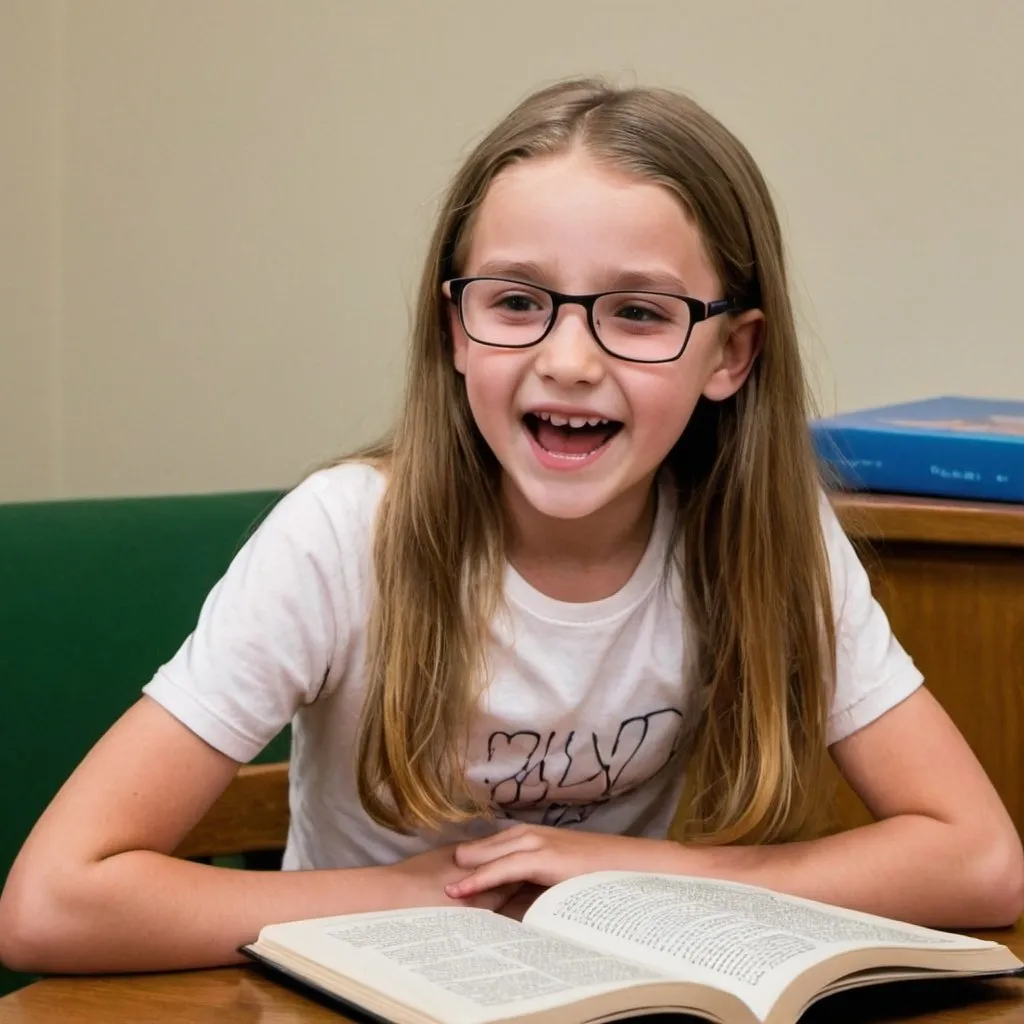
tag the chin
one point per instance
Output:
(568, 501)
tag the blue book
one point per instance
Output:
(945, 447)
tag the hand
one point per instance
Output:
(423, 881)
(521, 901)
(545, 856)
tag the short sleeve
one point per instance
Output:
(873, 672)
(276, 630)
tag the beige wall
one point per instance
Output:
(30, 88)
(211, 210)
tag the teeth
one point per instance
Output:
(558, 420)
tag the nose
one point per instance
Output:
(570, 355)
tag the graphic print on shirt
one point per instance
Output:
(552, 779)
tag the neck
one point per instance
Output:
(582, 559)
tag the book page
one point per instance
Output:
(746, 940)
(461, 964)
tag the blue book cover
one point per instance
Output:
(950, 447)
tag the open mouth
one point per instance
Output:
(570, 437)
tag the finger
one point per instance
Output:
(522, 866)
(499, 836)
(493, 899)
(476, 854)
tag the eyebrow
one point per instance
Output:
(614, 279)
(525, 270)
(655, 281)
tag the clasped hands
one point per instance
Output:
(538, 855)
(506, 871)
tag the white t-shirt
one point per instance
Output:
(585, 705)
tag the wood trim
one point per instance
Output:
(890, 517)
(251, 814)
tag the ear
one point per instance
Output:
(460, 343)
(739, 350)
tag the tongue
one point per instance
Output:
(571, 440)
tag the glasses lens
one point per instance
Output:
(505, 312)
(643, 326)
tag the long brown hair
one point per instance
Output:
(749, 542)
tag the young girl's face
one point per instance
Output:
(570, 224)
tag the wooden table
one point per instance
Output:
(950, 576)
(244, 995)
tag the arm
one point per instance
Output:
(95, 887)
(943, 852)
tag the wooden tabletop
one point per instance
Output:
(896, 517)
(244, 995)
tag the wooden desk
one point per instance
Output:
(950, 576)
(243, 995)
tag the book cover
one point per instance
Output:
(952, 447)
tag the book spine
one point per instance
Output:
(982, 468)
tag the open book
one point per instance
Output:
(615, 944)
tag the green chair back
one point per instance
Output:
(94, 596)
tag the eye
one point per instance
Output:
(517, 302)
(640, 313)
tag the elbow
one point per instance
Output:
(19, 951)
(998, 878)
(19, 940)
(30, 925)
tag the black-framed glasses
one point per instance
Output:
(639, 326)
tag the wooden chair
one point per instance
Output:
(249, 819)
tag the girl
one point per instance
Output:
(595, 553)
